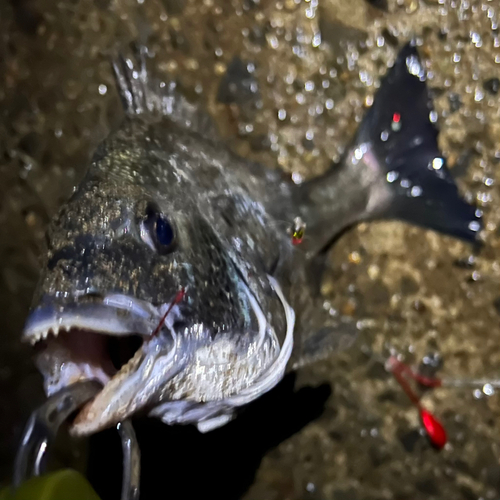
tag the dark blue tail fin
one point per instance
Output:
(400, 130)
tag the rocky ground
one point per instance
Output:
(287, 83)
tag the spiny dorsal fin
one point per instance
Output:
(142, 93)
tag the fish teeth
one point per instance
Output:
(35, 339)
(44, 335)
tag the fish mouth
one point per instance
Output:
(107, 341)
(216, 376)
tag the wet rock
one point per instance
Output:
(408, 285)
(379, 454)
(377, 371)
(390, 38)
(428, 486)
(349, 494)
(238, 85)
(30, 143)
(467, 493)
(496, 304)
(260, 142)
(336, 436)
(388, 395)
(492, 85)
(410, 440)
(419, 306)
(430, 365)
(462, 164)
(379, 4)
(26, 16)
(455, 102)
(174, 7)
(492, 476)
(308, 144)
(465, 262)
(178, 40)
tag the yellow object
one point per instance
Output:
(64, 484)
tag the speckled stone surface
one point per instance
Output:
(287, 83)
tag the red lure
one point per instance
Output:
(433, 427)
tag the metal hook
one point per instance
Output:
(42, 428)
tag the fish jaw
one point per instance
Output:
(133, 388)
(187, 377)
(73, 345)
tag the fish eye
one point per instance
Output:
(157, 231)
(164, 231)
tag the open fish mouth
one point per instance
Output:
(107, 341)
(117, 342)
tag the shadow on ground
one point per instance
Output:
(179, 462)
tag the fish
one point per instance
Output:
(185, 279)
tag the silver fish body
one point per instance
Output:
(166, 208)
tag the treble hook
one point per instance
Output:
(41, 430)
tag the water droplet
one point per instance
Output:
(416, 191)
(297, 178)
(300, 98)
(474, 226)
(309, 86)
(476, 39)
(437, 163)
(310, 487)
(414, 67)
(488, 389)
(392, 176)
(103, 89)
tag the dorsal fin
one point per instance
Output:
(142, 93)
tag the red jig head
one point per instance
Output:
(433, 427)
(435, 430)
(298, 231)
(177, 299)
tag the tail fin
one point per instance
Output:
(399, 127)
(143, 94)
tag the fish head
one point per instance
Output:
(138, 291)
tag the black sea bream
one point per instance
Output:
(168, 219)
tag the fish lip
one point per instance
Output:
(115, 315)
(118, 315)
